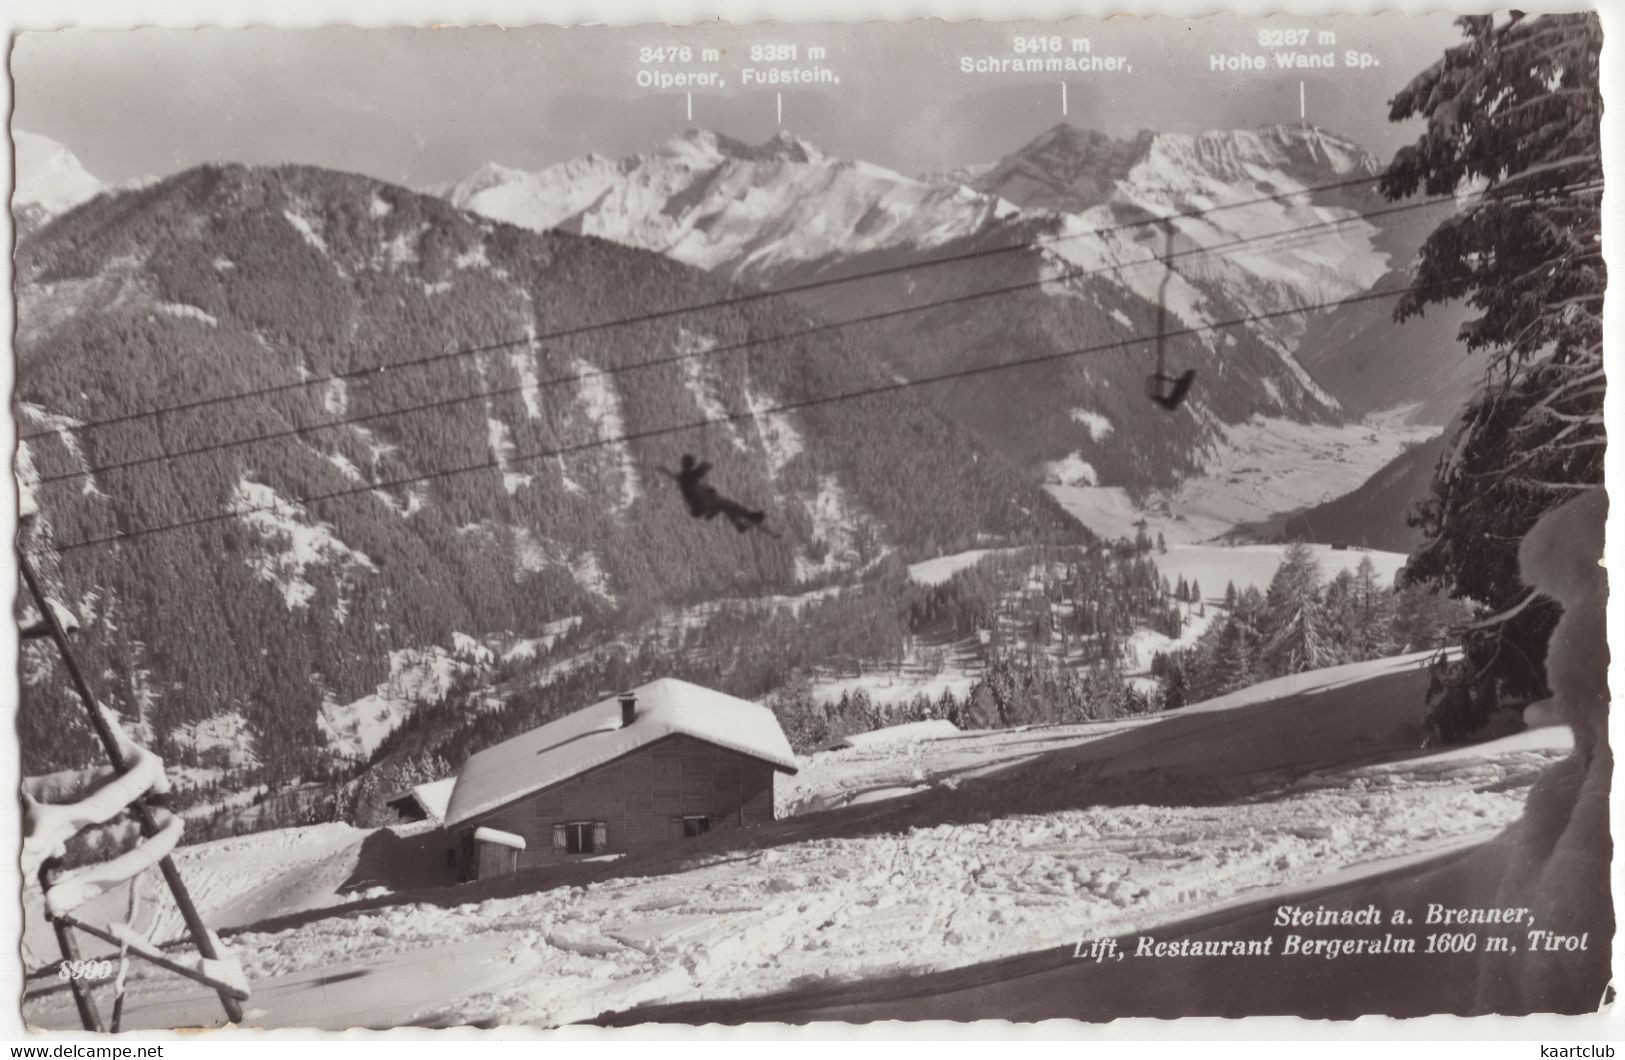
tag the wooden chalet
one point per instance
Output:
(666, 761)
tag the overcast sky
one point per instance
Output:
(424, 106)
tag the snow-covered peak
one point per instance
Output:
(49, 176)
(755, 211)
(1068, 169)
(1304, 154)
(697, 147)
(489, 175)
(1245, 190)
(1064, 169)
(702, 148)
(967, 174)
(788, 147)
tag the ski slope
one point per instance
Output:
(933, 856)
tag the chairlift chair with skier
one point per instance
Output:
(704, 501)
(1166, 390)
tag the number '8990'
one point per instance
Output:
(68, 970)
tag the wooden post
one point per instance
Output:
(143, 812)
(89, 1017)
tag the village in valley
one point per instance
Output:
(738, 581)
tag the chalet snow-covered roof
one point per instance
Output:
(594, 735)
(434, 796)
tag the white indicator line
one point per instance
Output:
(1301, 109)
(691, 106)
(780, 97)
(1063, 99)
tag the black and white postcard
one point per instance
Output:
(775, 523)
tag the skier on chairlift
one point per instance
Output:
(704, 502)
(1166, 390)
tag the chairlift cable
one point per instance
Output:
(1290, 236)
(677, 311)
(681, 428)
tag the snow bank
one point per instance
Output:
(940, 569)
(835, 521)
(1098, 426)
(188, 312)
(80, 886)
(598, 398)
(294, 543)
(1254, 566)
(908, 732)
(417, 677)
(500, 440)
(306, 230)
(228, 732)
(780, 440)
(49, 826)
(1071, 470)
(1556, 859)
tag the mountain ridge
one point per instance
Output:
(48, 180)
(230, 279)
(685, 200)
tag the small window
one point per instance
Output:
(580, 837)
(695, 826)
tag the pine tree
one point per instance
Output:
(1175, 693)
(1515, 109)
(1293, 614)
(1233, 663)
(1342, 615)
(1373, 613)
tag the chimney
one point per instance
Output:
(629, 708)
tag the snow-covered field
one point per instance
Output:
(961, 668)
(1265, 468)
(1254, 565)
(933, 855)
(939, 569)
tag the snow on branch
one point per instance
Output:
(49, 826)
(80, 886)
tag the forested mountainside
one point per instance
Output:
(1063, 221)
(1375, 515)
(1373, 363)
(1077, 412)
(1065, 613)
(226, 280)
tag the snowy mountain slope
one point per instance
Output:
(227, 280)
(762, 212)
(749, 212)
(1056, 221)
(955, 174)
(49, 177)
(1246, 179)
(1065, 169)
(1373, 363)
(1015, 842)
(1375, 514)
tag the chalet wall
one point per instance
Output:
(637, 798)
